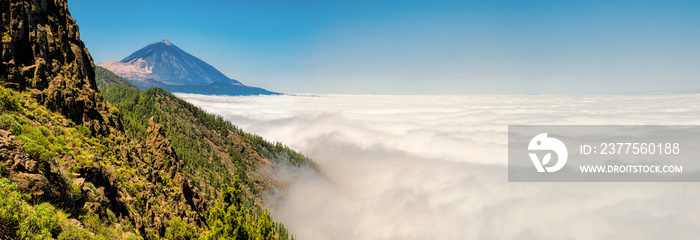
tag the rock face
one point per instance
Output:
(162, 148)
(41, 49)
(165, 163)
(34, 176)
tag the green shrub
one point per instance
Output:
(164, 178)
(71, 232)
(75, 190)
(34, 150)
(133, 237)
(91, 186)
(9, 123)
(111, 217)
(151, 233)
(229, 218)
(113, 111)
(178, 229)
(31, 132)
(44, 131)
(8, 102)
(85, 132)
(39, 141)
(19, 220)
(92, 222)
(39, 223)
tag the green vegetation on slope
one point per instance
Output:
(109, 78)
(230, 219)
(212, 149)
(56, 151)
(21, 220)
(70, 169)
(215, 154)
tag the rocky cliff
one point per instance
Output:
(62, 143)
(41, 50)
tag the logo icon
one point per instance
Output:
(542, 142)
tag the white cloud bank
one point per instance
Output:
(434, 167)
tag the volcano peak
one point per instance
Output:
(162, 64)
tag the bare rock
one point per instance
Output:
(4, 134)
(35, 184)
(76, 223)
(164, 157)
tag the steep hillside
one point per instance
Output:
(215, 150)
(104, 184)
(217, 154)
(106, 78)
(153, 167)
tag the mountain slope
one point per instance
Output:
(212, 146)
(217, 154)
(162, 64)
(104, 78)
(166, 63)
(72, 166)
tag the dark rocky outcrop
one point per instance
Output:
(35, 176)
(166, 163)
(41, 49)
(163, 153)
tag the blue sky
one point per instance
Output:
(416, 47)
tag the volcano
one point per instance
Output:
(164, 65)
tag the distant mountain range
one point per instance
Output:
(164, 65)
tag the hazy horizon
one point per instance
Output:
(416, 47)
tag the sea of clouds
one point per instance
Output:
(435, 167)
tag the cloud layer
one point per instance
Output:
(434, 167)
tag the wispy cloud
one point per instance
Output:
(434, 167)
